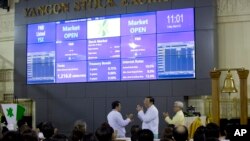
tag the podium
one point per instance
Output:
(13, 113)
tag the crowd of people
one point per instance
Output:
(47, 132)
(114, 129)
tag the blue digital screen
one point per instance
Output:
(138, 46)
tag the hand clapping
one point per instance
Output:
(130, 116)
(165, 114)
(139, 108)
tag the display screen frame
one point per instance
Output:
(121, 36)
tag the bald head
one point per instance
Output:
(180, 133)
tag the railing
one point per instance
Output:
(6, 84)
(229, 108)
(6, 75)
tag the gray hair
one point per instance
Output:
(80, 125)
(179, 104)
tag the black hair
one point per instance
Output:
(212, 130)
(199, 134)
(151, 99)
(21, 122)
(12, 136)
(5, 130)
(212, 139)
(180, 133)
(230, 129)
(29, 135)
(145, 135)
(59, 137)
(135, 132)
(168, 133)
(39, 125)
(167, 139)
(47, 129)
(23, 128)
(115, 104)
(104, 133)
(171, 126)
(89, 137)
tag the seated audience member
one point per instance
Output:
(38, 130)
(105, 133)
(171, 126)
(212, 131)
(178, 118)
(199, 134)
(145, 135)
(23, 128)
(89, 137)
(22, 122)
(212, 139)
(134, 132)
(48, 130)
(59, 137)
(229, 131)
(12, 136)
(167, 139)
(39, 126)
(5, 130)
(3, 120)
(79, 130)
(167, 134)
(40, 136)
(180, 133)
(1, 132)
(29, 135)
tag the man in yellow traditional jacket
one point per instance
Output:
(178, 118)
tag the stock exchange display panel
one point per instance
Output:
(139, 46)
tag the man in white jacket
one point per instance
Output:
(116, 120)
(150, 119)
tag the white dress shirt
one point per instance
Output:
(178, 119)
(150, 119)
(116, 121)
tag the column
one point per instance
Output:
(215, 75)
(243, 74)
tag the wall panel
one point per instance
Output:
(64, 103)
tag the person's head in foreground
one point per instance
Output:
(180, 133)
(145, 135)
(104, 133)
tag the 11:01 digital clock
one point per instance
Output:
(172, 19)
